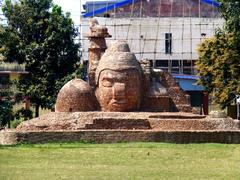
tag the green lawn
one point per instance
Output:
(120, 161)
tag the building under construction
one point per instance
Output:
(167, 32)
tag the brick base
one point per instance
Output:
(113, 136)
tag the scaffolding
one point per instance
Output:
(167, 32)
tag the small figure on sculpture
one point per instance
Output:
(96, 29)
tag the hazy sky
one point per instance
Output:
(72, 6)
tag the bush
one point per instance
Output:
(24, 114)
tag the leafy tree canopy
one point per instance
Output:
(41, 36)
(230, 10)
(219, 57)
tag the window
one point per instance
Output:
(175, 67)
(187, 67)
(163, 64)
(168, 43)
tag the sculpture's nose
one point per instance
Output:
(118, 90)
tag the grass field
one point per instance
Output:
(120, 161)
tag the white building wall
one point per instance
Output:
(146, 36)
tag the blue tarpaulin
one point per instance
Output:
(183, 76)
(188, 82)
(125, 2)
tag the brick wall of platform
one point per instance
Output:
(108, 136)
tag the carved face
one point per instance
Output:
(119, 90)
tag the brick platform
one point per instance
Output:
(111, 127)
(128, 121)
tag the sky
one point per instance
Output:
(72, 6)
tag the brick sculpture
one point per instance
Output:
(121, 82)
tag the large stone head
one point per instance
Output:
(118, 79)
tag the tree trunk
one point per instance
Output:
(37, 110)
(27, 103)
(9, 124)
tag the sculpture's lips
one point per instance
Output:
(117, 103)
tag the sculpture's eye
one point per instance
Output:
(107, 83)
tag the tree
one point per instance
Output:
(230, 10)
(219, 57)
(42, 38)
